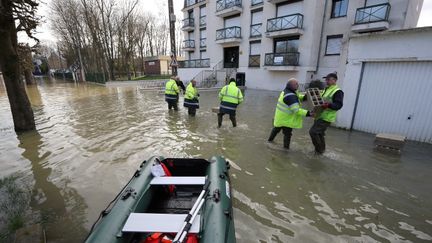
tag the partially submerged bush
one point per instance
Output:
(14, 203)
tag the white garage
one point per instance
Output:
(395, 97)
(388, 84)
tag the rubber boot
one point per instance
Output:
(273, 134)
(287, 137)
(219, 120)
(233, 120)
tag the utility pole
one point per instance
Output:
(172, 20)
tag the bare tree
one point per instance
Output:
(25, 62)
(16, 15)
(111, 37)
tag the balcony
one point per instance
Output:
(203, 21)
(203, 43)
(255, 31)
(228, 7)
(254, 60)
(230, 35)
(189, 3)
(188, 45)
(290, 25)
(188, 24)
(288, 61)
(371, 18)
(197, 63)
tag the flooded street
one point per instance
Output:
(90, 139)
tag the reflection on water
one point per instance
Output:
(90, 139)
(59, 208)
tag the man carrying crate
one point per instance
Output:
(333, 101)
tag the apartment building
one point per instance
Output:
(271, 41)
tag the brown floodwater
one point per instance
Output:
(90, 139)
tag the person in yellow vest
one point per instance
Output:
(191, 98)
(230, 97)
(333, 101)
(172, 93)
(288, 114)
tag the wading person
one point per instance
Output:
(333, 101)
(288, 114)
(172, 94)
(230, 97)
(191, 98)
(180, 84)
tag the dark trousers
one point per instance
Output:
(172, 104)
(192, 111)
(317, 133)
(287, 131)
(232, 117)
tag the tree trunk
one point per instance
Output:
(22, 112)
(28, 75)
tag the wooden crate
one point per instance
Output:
(215, 109)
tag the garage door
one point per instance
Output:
(395, 97)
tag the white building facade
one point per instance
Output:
(270, 41)
(388, 84)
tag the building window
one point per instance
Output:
(334, 45)
(286, 45)
(254, 53)
(256, 23)
(203, 55)
(339, 8)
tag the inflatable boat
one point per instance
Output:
(171, 200)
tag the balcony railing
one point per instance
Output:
(256, 2)
(189, 44)
(254, 60)
(230, 32)
(224, 4)
(373, 13)
(255, 30)
(189, 22)
(188, 3)
(282, 59)
(203, 20)
(196, 63)
(285, 22)
(203, 42)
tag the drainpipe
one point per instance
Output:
(321, 36)
(357, 96)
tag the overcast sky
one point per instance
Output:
(45, 34)
(159, 6)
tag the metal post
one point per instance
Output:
(172, 20)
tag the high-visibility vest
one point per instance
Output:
(191, 97)
(171, 88)
(289, 115)
(231, 94)
(329, 115)
(191, 92)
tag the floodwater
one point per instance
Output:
(90, 139)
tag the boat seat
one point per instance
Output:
(178, 180)
(155, 222)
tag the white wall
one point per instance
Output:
(309, 45)
(402, 45)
